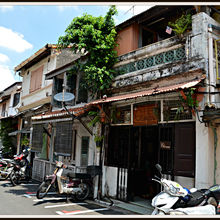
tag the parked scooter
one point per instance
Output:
(6, 167)
(21, 168)
(76, 185)
(175, 199)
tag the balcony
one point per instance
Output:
(161, 59)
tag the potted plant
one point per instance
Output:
(181, 25)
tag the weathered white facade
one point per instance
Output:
(199, 52)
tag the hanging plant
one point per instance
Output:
(188, 102)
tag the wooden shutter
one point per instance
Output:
(36, 79)
(63, 138)
(184, 151)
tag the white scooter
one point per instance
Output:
(164, 203)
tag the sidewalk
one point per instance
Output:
(139, 207)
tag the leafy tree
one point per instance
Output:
(6, 126)
(97, 36)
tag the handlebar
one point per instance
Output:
(156, 180)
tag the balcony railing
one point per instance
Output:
(161, 58)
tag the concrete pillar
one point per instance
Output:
(204, 173)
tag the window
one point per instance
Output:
(69, 81)
(36, 79)
(63, 138)
(16, 99)
(84, 151)
(4, 110)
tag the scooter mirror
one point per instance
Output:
(159, 168)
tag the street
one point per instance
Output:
(21, 200)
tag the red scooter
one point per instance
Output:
(21, 168)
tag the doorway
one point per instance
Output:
(142, 159)
(137, 149)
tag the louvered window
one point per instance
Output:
(63, 138)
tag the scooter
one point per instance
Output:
(21, 169)
(175, 199)
(77, 185)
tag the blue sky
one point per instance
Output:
(24, 29)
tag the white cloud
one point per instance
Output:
(6, 8)
(129, 9)
(13, 40)
(3, 58)
(6, 76)
(62, 7)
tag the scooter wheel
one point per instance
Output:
(14, 178)
(43, 189)
(3, 177)
(84, 193)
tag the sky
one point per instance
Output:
(24, 29)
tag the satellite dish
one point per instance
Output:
(64, 97)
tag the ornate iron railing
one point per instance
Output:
(161, 58)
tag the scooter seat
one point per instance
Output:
(194, 201)
(79, 175)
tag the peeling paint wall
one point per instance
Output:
(205, 143)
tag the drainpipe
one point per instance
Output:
(211, 66)
(215, 148)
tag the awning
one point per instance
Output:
(77, 111)
(175, 84)
(154, 91)
(23, 131)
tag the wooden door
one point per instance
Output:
(184, 153)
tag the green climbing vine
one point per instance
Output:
(97, 36)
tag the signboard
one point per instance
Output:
(165, 145)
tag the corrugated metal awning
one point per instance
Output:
(155, 91)
(62, 113)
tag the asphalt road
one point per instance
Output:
(21, 200)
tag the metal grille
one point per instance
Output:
(161, 58)
(63, 138)
(38, 170)
(122, 183)
(170, 111)
(37, 137)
